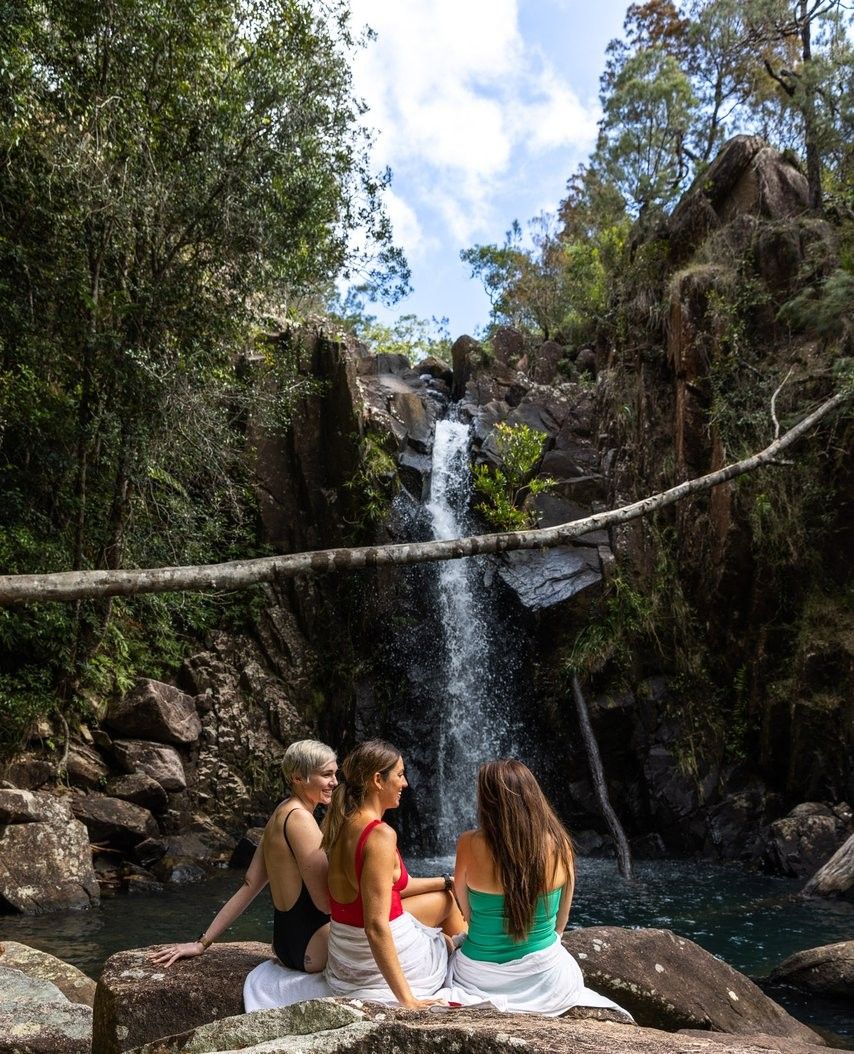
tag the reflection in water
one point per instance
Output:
(751, 921)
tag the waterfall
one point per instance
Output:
(473, 709)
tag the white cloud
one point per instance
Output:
(460, 103)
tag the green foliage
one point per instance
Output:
(647, 112)
(503, 489)
(413, 337)
(824, 308)
(374, 484)
(173, 177)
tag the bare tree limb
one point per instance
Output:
(238, 574)
(600, 786)
(774, 403)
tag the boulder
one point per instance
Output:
(667, 981)
(85, 766)
(746, 178)
(435, 368)
(71, 982)
(585, 362)
(137, 1002)
(114, 822)
(411, 410)
(324, 1026)
(508, 345)
(543, 578)
(45, 859)
(245, 848)
(825, 971)
(153, 710)
(160, 763)
(545, 360)
(464, 349)
(802, 841)
(36, 1018)
(29, 770)
(139, 789)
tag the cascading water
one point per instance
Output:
(473, 711)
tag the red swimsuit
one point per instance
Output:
(352, 913)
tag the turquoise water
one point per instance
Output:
(751, 921)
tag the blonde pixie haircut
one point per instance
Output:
(304, 757)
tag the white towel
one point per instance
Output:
(352, 971)
(270, 985)
(546, 982)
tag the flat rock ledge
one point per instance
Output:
(331, 1026)
(197, 1004)
(71, 982)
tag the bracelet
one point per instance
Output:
(449, 882)
(205, 942)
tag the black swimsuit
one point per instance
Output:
(294, 928)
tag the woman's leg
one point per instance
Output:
(317, 950)
(437, 909)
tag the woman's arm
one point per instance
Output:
(375, 885)
(423, 885)
(461, 889)
(305, 837)
(565, 904)
(254, 881)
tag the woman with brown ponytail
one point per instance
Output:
(385, 940)
(515, 877)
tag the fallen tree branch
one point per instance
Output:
(238, 574)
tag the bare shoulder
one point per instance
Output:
(465, 840)
(382, 839)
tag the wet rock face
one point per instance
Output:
(825, 971)
(543, 578)
(157, 711)
(667, 981)
(45, 859)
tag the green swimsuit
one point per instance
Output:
(488, 939)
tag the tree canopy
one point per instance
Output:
(174, 176)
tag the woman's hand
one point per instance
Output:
(173, 952)
(423, 1004)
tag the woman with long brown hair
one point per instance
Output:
(385, 940)
(514, 879)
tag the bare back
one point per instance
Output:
(343, 884)
(282, 868)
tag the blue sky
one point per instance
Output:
(482, 109)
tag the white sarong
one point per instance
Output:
(546, 982)
(351, 969)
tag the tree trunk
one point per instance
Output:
(238, 574)
(600, 787)
(836, 876)
(809, 112)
